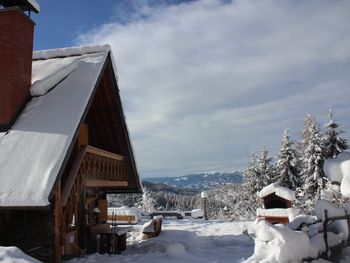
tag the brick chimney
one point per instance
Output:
(16, 51)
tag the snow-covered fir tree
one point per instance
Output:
(333, 143)
(287, 165)
(253, 182)
(247, 199)
(266, 171)
(312, 164)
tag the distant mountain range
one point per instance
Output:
(159, 187)
(199, 181)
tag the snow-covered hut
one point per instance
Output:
(277, 204)
(338, 172)
(64, 143)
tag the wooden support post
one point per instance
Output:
(348, 220)
(325, 223)
(204, 196)
(58, 217)
(82, 218)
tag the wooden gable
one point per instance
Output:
(103, 127)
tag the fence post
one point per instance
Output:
(325, 223)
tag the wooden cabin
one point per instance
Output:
(277, 202)
(64, 142)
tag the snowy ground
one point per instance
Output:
(187, 240)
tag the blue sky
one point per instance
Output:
(60, 22)
(206, 83)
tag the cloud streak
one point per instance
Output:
(205, 83)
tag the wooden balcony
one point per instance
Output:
(92, 168)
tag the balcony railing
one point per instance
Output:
(103, 169)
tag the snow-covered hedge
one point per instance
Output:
(338, 170)
(280, 244)
(197, 213)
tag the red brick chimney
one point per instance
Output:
(16, 51)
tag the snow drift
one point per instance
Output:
(14, 254)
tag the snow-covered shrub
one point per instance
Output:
(338, 170)
(299, 221)
(197, 213)
(339, 227)
(278, 244)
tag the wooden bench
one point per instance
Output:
(122, 219)
(153, 227)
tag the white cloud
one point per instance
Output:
(207, 82)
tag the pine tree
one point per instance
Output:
(333, 143)
(313, 158)
(303, 146)
(252, 182)
(266, 170)
(287, 170)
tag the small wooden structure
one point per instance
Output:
(277, 204)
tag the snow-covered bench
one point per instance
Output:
(153, 227)
(122, 219)
(178, 215)
(124, 215)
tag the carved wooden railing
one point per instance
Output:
(91, 168)
(102, 165)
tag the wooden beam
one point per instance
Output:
(103, 153)
(105, 183)
(83, 137)
(58, 218)
(71, 177)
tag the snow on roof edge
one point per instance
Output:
(281, 191)
(41, 87)
(35, 4)
(277, 212)
(69, 51)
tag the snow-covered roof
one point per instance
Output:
(280, 191)
(338, 170)
(33, 150)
